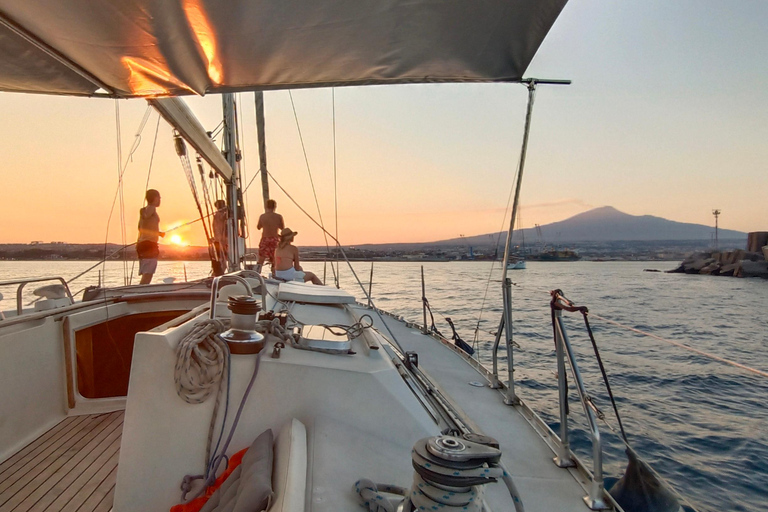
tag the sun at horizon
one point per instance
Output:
(177, 240)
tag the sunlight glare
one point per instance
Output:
(203, 31)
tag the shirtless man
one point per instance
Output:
(287, 260)
(149, 232)
(271, 223)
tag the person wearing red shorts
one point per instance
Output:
(270, 223)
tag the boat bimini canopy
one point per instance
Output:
(150, 48)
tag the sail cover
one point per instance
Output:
(140, 48)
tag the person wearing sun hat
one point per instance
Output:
(287, 265)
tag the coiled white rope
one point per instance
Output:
(202, 359)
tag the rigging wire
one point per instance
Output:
(311, 181)
(152, 156)
(395, 342)
(120, 187)
(251, 181)
(134, 147)
(475, 341)
(243, 175)
(181, 151)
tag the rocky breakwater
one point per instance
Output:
(736, 263)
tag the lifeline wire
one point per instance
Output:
(685, 347)
(657, 337)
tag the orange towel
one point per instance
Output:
(196, 504)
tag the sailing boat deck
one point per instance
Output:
(542, 485)
(72, 467)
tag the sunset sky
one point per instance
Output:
(667, 116)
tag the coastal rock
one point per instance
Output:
(735, 256)
(754, 269)
(729, 269)
(698, 264)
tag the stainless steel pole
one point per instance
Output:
(423, 302)
(510, 398)
(563, 458)
(230, 149)
(595, 500)
(370, 285)
(495, 384)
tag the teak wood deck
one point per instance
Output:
(70, 468)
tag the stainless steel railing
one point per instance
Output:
(244, 282)
(595, 500)
(23, 282)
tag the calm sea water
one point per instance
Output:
(701, 424)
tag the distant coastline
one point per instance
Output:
(664, 250)
(600, 234)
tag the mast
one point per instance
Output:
(261, 133)
(233, 187)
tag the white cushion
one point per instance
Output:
(289, 478)
(313, 294)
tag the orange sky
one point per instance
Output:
(643, 128)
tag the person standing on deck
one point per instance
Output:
(149, 232)
(220, 236)
(270, 222)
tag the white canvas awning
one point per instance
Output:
(130, 48)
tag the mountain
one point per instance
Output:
(606, 224)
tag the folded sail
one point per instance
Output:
(131, 48)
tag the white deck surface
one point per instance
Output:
(543, 486)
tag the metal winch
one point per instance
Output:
(450, 474)
(451, 470)
(242, 337)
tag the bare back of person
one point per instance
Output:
(287, 257)
(287, 266)
(271, 223)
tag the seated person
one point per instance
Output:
(287, 260)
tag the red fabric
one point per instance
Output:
(267, 248)
(196, 504)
